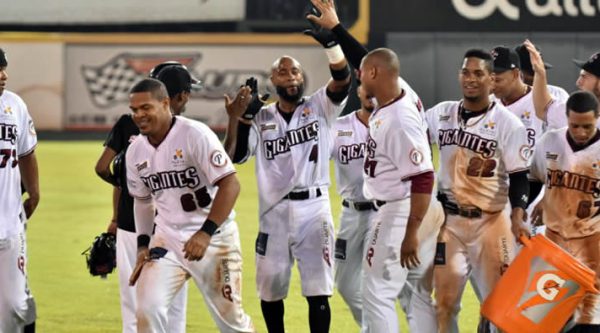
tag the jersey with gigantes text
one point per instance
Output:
(397, 149)
(17, 139)
(292, 155)
(180, 174)
(476, 157)
(572, 184)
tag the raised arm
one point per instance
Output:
(541, 96)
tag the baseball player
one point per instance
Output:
(350, 134)
(483, 163)
(398, 173)
(510, 90)
(292, 143)
(183, 182)
(567, 162)
(547, 106)
(179, 83)
(18, 164)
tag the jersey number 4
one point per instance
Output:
(6, 154)
(191, 201)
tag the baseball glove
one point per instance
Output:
(101, 256)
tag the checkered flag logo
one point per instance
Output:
(109, 84)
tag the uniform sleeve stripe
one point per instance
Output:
(139, 197)
(222, 176)
(405, 178)
(29, 152)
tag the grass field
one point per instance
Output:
(76, 206)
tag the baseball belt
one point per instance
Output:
(302, 195)
(357, 205)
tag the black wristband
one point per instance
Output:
(143, 241)
(340, 74)
(209, 227)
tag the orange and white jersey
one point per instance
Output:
(293, 155)
(349, 150)
(397, 149)
(572, 184)
(476, 157)
(180, 174)
(556, 112)
(17, 139)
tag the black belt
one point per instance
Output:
(469, 212)
(365, 205)
(302, 195)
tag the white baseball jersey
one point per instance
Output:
(556, 115)
(524, 110)
(572, 184)
(295, 155)
(397, 149)
(349, 149)
(180, 174)
(17, 139)
(476, 157)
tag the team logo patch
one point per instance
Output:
(268, 127)
(178, 154)
(551, 156)
(526, 115)
(227, 293)
(141, 166)
(8, 110)
(416, 157)
(525, 152)
(344, 133)
(306, 112)
(21, 264)
(490, 125)
(218, 159)
(377, 123)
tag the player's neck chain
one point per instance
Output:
(465, 115)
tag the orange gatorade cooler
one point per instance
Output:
(540, 289)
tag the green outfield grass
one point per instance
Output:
(76, 206)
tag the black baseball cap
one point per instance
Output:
(525, 59)
(175, 76)
(592, 65)
(3, 61)
(505, 59)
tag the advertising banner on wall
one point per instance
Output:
(35, 72)
(485, 15)
(98, 77)
(118, 11)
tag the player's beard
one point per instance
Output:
(282, 92)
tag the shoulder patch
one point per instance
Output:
(218, 159)
(416, 157)
(525, 152)
(32, 128)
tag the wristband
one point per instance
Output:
(340, 74)
(143, 241)
(209, 227)
(335, 54)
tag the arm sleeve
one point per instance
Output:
(556, 116)
(413, 156)
(241, 145)
(353, 50)
(143, 212)
(514, 144)
(518, 189)
(422, 183)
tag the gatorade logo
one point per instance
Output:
(548, 286)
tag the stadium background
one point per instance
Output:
(73, 61)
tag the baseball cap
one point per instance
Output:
(525, 59)
(3, 61)
(175, 76)
(592, 65)
(505, 59)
